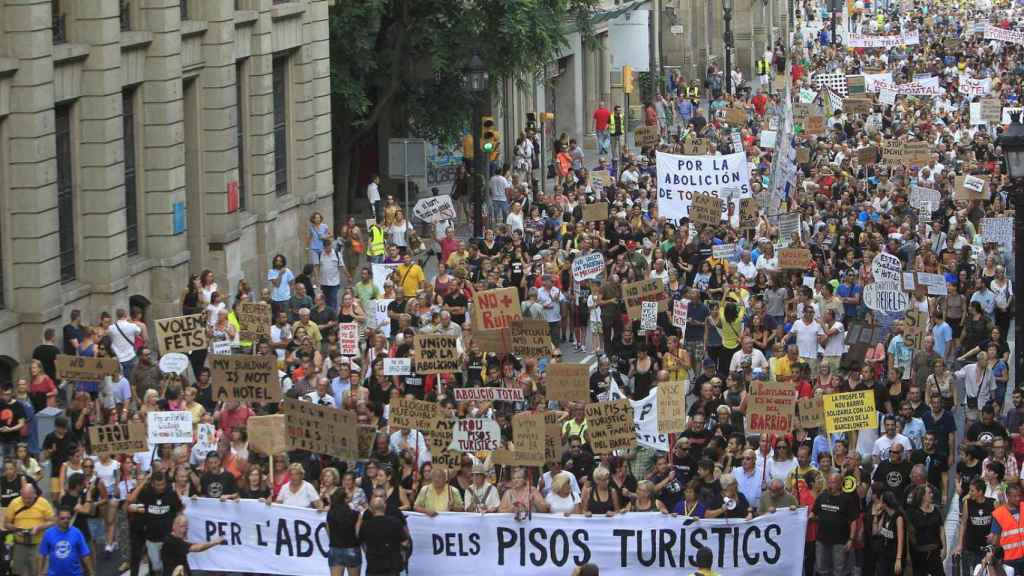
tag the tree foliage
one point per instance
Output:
(408, 56)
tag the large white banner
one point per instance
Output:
(641, 543)
(290, 541)
(1002, 35)
(891, 41)
(974, 86)
(680, 177)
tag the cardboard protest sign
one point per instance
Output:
(475, 434)
(600, 181)
(434, 209)
(794, 258)
(567, 382)
(671, 407)
(487, 394)
(649, 316)
(169, 427)
(397, 366)
(892, 152)
(254, 320)
(812, 412)
(412, 413)
(857, 105)
(917, 153)
(530, 338)
(595, 212)
(552, 436)
(646, 136)
(770, 407)
(182, 333)
(268, 434)
(867, 156)
(991, 110)
(587, 266)
(321, 429)
(749, 213)
(528, 436)
(493, 309)
(850, 411)
(803, 155)
(497, 341)
(243, 378)
(970, 187)
(634, 294)
(86, 368)
(439, 438)
(814, 124)
(118, 438)
(706, 210)
(610, 426)
(348, 339)
(436, 354)
(915, 328)
(695, 147)
(365, 436)
(735, 116)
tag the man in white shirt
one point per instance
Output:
(805, 332)
(745, 267)
(122, 335)
(891, 436)
(550, 298)
(373, 194)
(832, 341)
(498, 187)
(747, 353)
(748, 478)
(280, 335)
(321, 395)
(979, 385)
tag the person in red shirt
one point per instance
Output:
(601, 119)
(233, 414)
(760, 102)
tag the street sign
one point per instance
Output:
(407, 158)
(677, 29)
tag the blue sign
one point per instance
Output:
(179, 218)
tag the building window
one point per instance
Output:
(281, 125)
(184, 9)
(126, 15)
(65, 193)
(59, 23)
(131, 196)
(241, 83)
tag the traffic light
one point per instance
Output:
(531, 121)
(627, 79)
(488, 135)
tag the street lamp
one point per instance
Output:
(727, 15)
(478, 83)
(1012, 143)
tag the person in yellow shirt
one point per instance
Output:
(410, 276)
(438, 496)
(785, 368)
(27, 517)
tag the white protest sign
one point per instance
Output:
(789, 224)
(169, 427)
(381, 321)
(737, 141)
(974, 184)
(998, 230)
(920, 196)
(488, 394)
(382, 272)
(587, 266)
(974, 86)
(767, 138)
(397, 366)
(475, 434)
(886, 267)
(680, 178)
(976, 119)
(1003, 35)
(724, 251)
(874, 82)
(680, 312)
(348, 339)
(174, 363)
(807, 95)
(434, 209)
(649, 316)
(886, 296)
(887, 97)
(294, 541)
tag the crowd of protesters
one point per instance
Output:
(877, 498)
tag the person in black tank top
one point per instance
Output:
(599, 497)
(888, 536)
(975, 524)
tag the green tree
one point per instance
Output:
(396, 65)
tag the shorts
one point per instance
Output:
(345, 557)
(314, 256)
(23, 559)
(596, 327)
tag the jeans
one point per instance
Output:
(554, 330)
(127, 367)
(499, 211)
(331, 296)
(603, 141)
(968, 560)
(831, 559)
(375, 259)
(376, 208)
(153, 551)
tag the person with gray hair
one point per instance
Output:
(776, 497)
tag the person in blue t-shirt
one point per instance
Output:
(63, 550)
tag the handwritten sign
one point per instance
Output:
(348, 339)
(998, 230)
(493, 309)
(991, 110)
(436, 354)
(397, 366)
(86, 368)
(794, 258)
(118, 438)
(254, 320)
(770, 408)
(814, 124)
(749, 213)
(268, 434)
(695, 147)
(867, 156)
(242, 378)
(169, 427)
(886, 267)
(497, 341)
(600, 181)
(182, 333)
(488, 394)
(649, 316)
(321, 429)
(434, 209)
(595, 212)
(886, 296)
(634, 294)
(412, 413)
(567, 382)
(680, 312)
(671, 407)
(610, 426)
(475, 434)
(587, 266)
(969, 187)
(530, 338)
(850, 411)
(735, 116)
(647, 136)
(529, 437)
(706, 210)
(812, 412)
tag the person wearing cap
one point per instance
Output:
(481, 495)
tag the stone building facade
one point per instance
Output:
(145, 140)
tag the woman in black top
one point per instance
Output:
(889, 534)
(256, 486)
(926, 521)
(342, 524)
(599, 497)
(190, 303)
